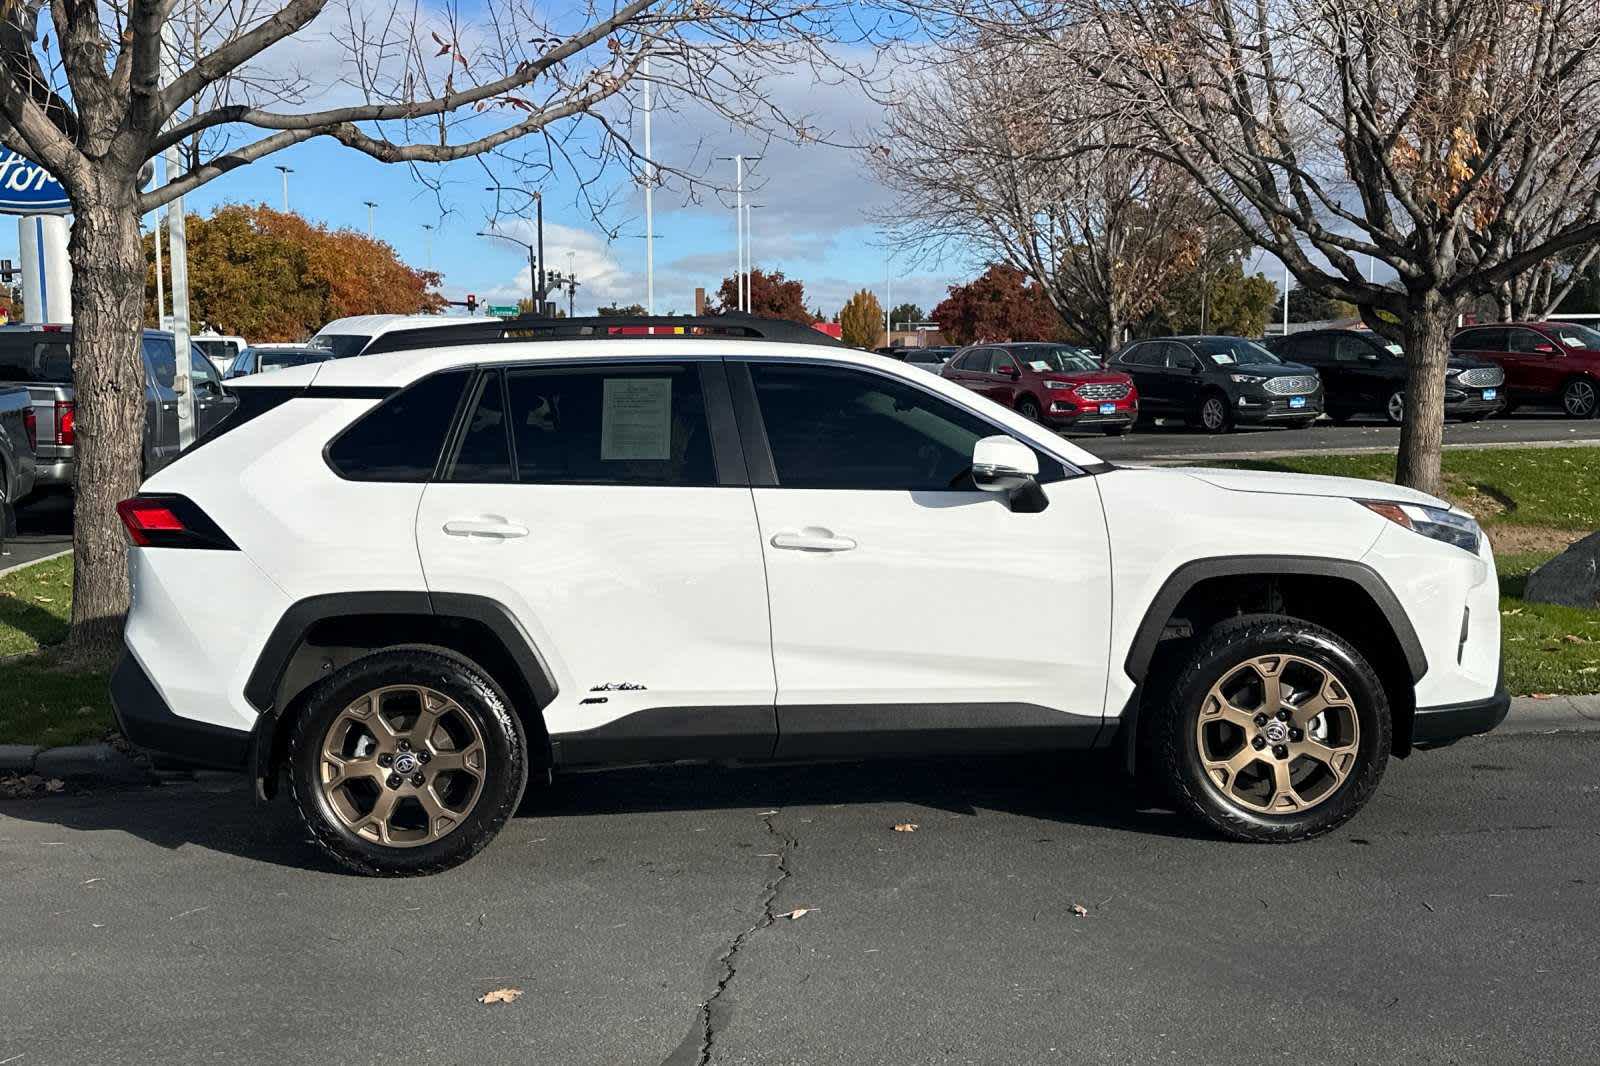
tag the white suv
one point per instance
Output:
(408, 580)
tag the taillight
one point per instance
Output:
(66, 422)
(30, 426)
(170, 522)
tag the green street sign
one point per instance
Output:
(503, 310)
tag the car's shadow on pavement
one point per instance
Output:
(222, 816)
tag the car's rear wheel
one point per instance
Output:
(1580, 398)
(1215, 414)
(1276, 730)
(407, 761)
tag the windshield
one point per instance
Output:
(1230, 351)
(1573, 335)
(277, 360)
(1061, 359)
(342, 345)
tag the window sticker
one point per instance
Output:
(637, 419)
(1039, 365)
(1572, 342)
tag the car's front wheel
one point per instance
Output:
(1395, 409)
(407, 761)
(1215, 414)
(1028, 408)
(1275, 730)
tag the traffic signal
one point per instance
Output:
(472, 303)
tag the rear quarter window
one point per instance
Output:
(401, 438)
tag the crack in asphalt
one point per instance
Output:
(695, 1050)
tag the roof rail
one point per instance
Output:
(530, 328)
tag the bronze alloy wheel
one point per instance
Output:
(402, 766)
(1278, 734)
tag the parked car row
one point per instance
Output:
(1216, 383)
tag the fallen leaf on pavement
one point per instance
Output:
(906, 827)
(1080, 910)
(798, 912)
(1540, 696)
(500, 995)
(55, 784)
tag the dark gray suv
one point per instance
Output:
(1217, 382)
(39, 357)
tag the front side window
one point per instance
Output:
(163, 360)
(400, 439)
(1526, 340)
(1004, 364)
(1480, 340)
(1179, 357)
(833, 428)
(1351, 350)
(615, 425)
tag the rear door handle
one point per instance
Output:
(489, 527)
(812, 539)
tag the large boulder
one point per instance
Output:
(1571, 579)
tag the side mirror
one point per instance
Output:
(1011, 372)
(1006, 466)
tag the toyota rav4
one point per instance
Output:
(404, 583)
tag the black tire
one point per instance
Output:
(505, 767)
(1215, 414)
(1580, 398)
(1302, 423)
(1218, 654)
(1117, 431)
(1339, 416)
(1028, 408)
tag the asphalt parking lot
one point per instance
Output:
(1453, 921)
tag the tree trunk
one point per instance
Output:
(1428, 324)
(108, 274)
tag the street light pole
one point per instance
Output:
(533, 276)
(649, 202)
(538, 200)
(427, 243)
(285, 171)
(161, 285)
(749, 258)
(370, 205)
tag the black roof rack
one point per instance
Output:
(498, 330)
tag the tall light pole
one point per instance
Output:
(285, 171)
(539, 279)
(1286, 300)
(371, 205)
(749, 259)
(177, 233)
(161, 285)
(427, 243)
(649, 201)
(535, 284)
(742, 297)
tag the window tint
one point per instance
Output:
(831, 428)
(163, 359)
(484, 451)
(24, 356)
(1143, 355)
(1351, 349)
(1179, 357)
(200, 368)
(1481, 340)
(1526, 340)
(979, 361)
(620, 425)
(400, 439)
(1003, 362)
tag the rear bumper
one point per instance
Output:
(53, 472)
(1434, 727)
(150, 725)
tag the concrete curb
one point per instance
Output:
(73, 762)
(33, 562)
(1553, 714)
(1201, 458)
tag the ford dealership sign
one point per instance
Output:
(26, 188)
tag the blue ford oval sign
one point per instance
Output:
(26, 188)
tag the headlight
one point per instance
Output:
(1059, 385)
(1247, 379)
(1439, 523)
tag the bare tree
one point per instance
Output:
(89, 91)
(989, 158)
(1427, 134)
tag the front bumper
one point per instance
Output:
(1435, 727)
(170, 740)
(1472, 403)
(1267, 408)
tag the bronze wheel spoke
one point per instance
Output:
(403, 787)
(1298, 769)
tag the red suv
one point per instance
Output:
(1545, 362)
(1061, 386)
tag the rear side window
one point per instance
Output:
(401, 438)
(25, 356)
(342, 345)
(1480, 340)
(621, 425)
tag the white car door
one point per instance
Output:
(593, 503)
(910, 610)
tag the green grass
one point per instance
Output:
(41, 702)
(1548, 648)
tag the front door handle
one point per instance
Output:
(812, 539)
(489, 527)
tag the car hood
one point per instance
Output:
(1271, 370)
(1290, 484)
(1087, 377)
